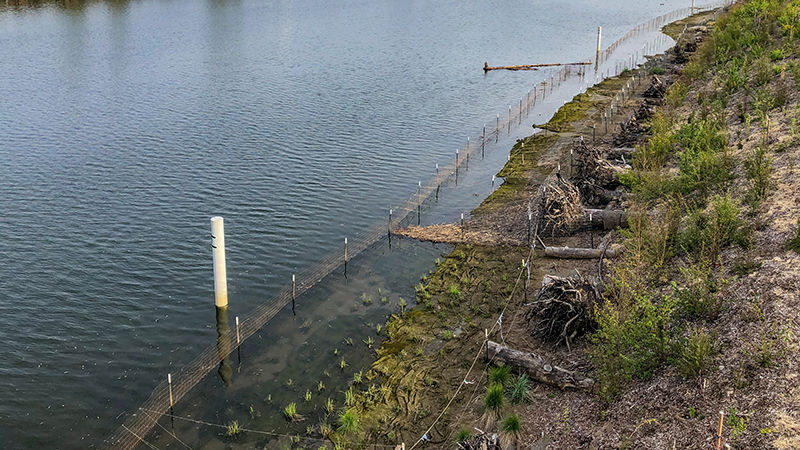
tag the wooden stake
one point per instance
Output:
(483, 140)
(719, 433)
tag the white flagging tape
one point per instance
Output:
(500, 323)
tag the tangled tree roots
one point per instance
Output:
(657, 88)
(563, 309)
(560, 211)
(631, 132)
(593, 175)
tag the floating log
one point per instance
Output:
(538, 369)
(487, 68)
(578, 253)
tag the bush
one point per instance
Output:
(697, 353)
(676, 94)
(794, 242)
(763, 71)
(768, 347)
(720, 226)
(697, 293)
(703, 163)
(632, 341)
(758, 170)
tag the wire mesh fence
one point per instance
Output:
(532, 211)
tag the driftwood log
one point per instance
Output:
(538, 369)
(607, 219)
(579, 253)
(487, 67)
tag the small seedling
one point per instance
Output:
(233, 429)
(320, 386)
(307, 397)
(290, 412)
(342, 364)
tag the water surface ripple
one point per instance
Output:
(127, 124)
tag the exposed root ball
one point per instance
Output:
(563, 309)
(560, 210)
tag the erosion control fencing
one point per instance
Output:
(174, 387)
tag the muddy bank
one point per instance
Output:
(720, 337)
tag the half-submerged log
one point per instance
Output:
(538, 369)
(579, 253)
(487, 67)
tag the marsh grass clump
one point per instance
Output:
(290, 412)
(510, 429)
(500, 375)
(325, 430)
(455, 294)
(697, 353)
(462, 435)
(349, 422)
(366, 299)
(519, 391)
(493, 403)
(233, 429)
(329, 406)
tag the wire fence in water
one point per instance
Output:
(173, 389)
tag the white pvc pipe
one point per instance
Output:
(220, 274)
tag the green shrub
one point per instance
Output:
(632, 340)
(697, 353)
(676, 94)
(659, 71)
(758, 170)
(776, 54)
(763, 71)
(768, 347)
(794, 242)
(708, 232)
(697, 293)
(704, 163)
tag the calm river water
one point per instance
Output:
(125, 125)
